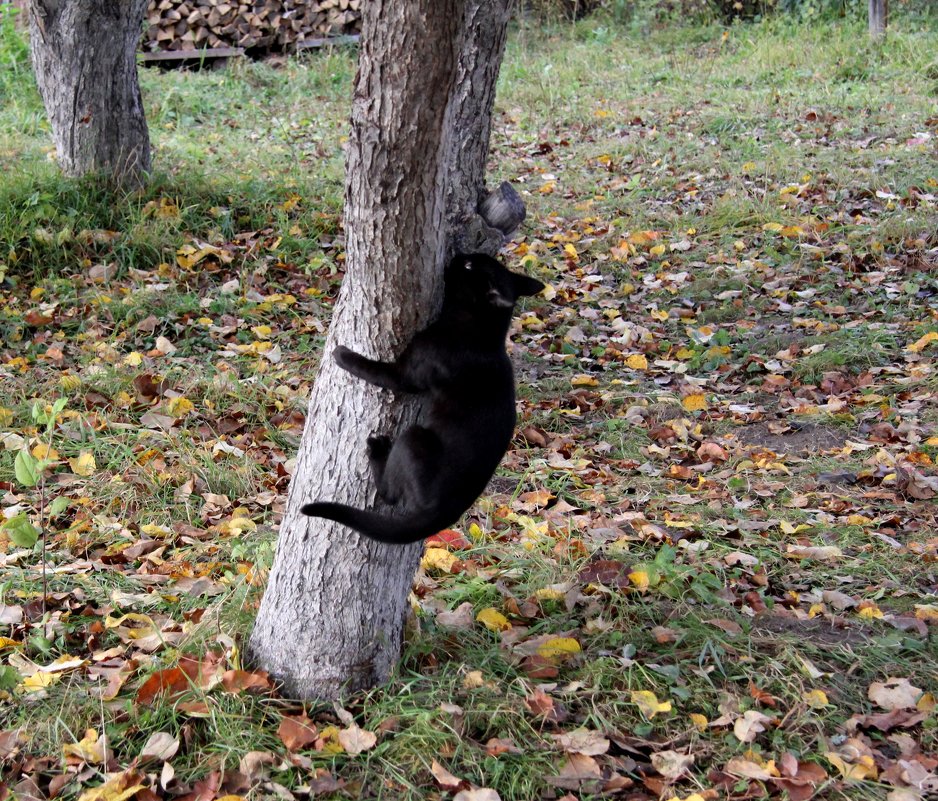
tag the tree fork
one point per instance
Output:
(332, 616)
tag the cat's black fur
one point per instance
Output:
(435, 470)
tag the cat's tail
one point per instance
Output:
(395, 530)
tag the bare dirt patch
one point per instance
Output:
(815, 631)
(798, 438)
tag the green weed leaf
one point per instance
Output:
(26, 468)
(58, 506)
(23, 534)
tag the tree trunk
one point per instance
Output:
(332, 616)
(84, 56)
(879, 17)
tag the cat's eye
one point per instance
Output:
(468, 265)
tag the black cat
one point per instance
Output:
(436, 469)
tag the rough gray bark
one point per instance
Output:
(84, 57)
(332, 616)
(879, 17)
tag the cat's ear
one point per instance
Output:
(525, 286)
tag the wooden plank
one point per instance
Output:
(202, 53)
(307, 44)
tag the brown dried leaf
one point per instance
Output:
(297, 731)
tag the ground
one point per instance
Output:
(708, 563)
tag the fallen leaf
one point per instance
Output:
(750, 725)
(671, 764)
(160, 747)
(444, 778)
(582, 741)
(297, 732)
(493, 620)
(894, 693)
(119, 787)
(648, 703)
(355, 740)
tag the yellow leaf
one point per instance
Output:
(118, 788)
(180, 406)
(932, 441)
(684, 354)
(151, 529)
(290, 203)
(792, 231)
(39, 681)
(816, 699)
(6, 642)
(776, 227)
(637, 361)
(871, 612)
(69, 382)
(657, 250)
(262, 331)
(135, 626)
(493, 620)
(700, 721)
(36, 292)
(648, 703)
(549, 594)
(571, 252)
(863, 768)
(926, 703)
(928, 612)
(559, 648)
(923, 342)
(691, 797)
(237, 525)
(64, 663)
(438, 559)
(788, 528)
(640, 579)
(473, 679)
(695, 403)
(84, 464)
(583, 380)
(89, 749)
(6, 416)
(43, 451)
(329, 737)
(133, 359)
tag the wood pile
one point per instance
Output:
(250, 24)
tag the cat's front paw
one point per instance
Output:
(379, 446)
(345, 357)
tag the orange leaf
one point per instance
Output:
(297, 731)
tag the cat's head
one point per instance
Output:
(479, 279)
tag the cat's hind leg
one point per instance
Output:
(411, 472)
(379, 446)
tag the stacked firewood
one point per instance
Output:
(267, 24)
